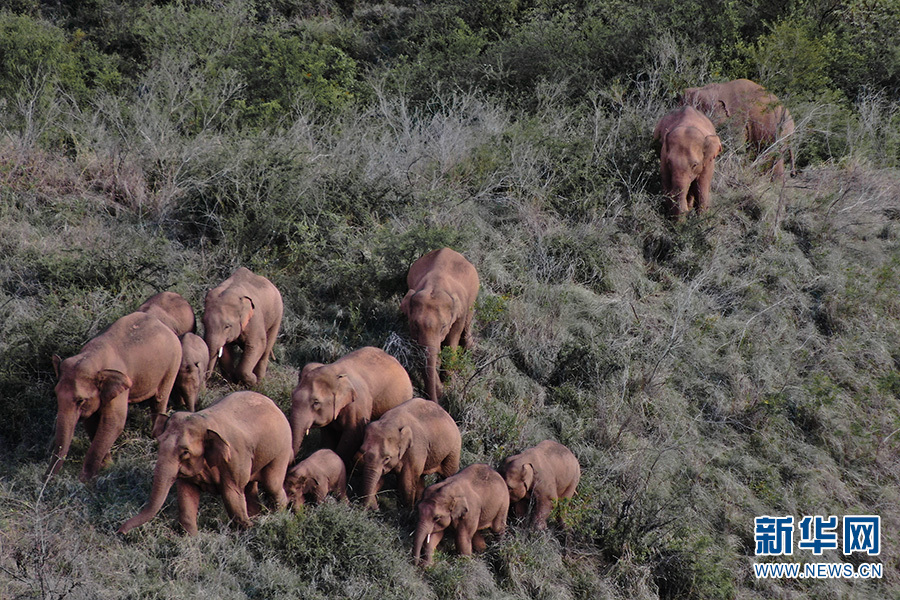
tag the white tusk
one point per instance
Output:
(307, 431)
(220, 351)
(428, 539)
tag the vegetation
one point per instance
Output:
(741, 363)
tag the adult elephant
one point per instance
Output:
(243, 311)
(414, 439)
(238, 442)
(687, 159)
(472, 500)
(173, 310)
(759, 116)
(135, 359)
(345, 395)
(440, 305)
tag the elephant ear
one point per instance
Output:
(404, 304)
(56, 362)
(405, 440)
(459, 506)
(247, 308)
(528, 475)
(111, 383)
(724, 106)
(159, 425)
(216, 448)
(712, 146)
(344, 396)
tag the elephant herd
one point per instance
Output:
(689, 143)
(363, 403)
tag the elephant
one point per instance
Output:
(173, 310)
(323, 472)
(472, 500)
(687, 159)
(538, 476)
(227, 448)
(245, 310)
(414, 439)
(440, 305)
(135, 359)
(762, 120)
(345, 395)
(191, 378)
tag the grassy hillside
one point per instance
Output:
(742, 363)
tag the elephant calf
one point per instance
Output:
(225, 449)
(687, 159)
(414, 439)
(191, 378)
(323, 472)
(538, 476)
(472, 500)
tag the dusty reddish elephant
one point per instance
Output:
(191, 378)
(320, 474)
(173, 310)
(757, 114)
(345, 395)
(413, 440)
(245, 311)
(468, 502)
(227, 448)
(135, 359)
(440, 304)
(687, 159)
(538, 476)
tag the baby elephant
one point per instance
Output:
(413, 439)
(322, 472)
(473, 499)
(191, 379)
(540, 475)
(687, 159)
(227, 448)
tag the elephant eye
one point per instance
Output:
(185, 454)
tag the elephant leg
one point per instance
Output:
(188, 505)
(450, 465)
(466, 338)
(455, 334)
(263, 364)
(161, 401)
(251, 495)
(478, 543)
(253, 351)
(321, 492)
(464, 536)
(110, 427)
(543, 507)
(272, 480)
(409, 483)
(236, 504)
(91, 424)
(521, 508)
(703, 186)
(351, 440)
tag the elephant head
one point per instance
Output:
(431, 313)
(186, 445)
(321, 394)
(519, 476)
(382, 451)
(437, 512)
(225, 317)
(297, 485)
(81, 390)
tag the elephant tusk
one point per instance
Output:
(307, 432)
(220, 351)
(428, 539)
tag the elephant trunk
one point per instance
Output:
(66, 419)
(300, 426)
(371, 476)
(164, 475)
(432, 359)
(423, 533)
(215, 343)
